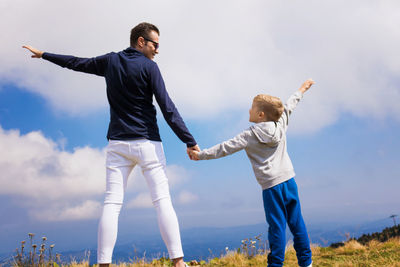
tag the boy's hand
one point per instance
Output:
(36, 53)
(194, 155)
(306, 85)
(193, 148)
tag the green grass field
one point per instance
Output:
(352, 254)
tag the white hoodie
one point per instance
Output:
(265, 146)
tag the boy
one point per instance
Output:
(265, 145)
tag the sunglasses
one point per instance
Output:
(156, 45)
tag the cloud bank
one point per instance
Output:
(57, 185)
(219, 55)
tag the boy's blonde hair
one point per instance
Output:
(271, 106)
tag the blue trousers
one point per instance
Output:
(282, 205)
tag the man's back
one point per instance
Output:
(132, 80)
(129, 76)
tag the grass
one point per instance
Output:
(352, 254)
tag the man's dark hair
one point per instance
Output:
(143, 29)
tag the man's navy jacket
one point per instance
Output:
(132, 79)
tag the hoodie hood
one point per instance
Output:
(267, 132)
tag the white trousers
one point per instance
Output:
(122, 157)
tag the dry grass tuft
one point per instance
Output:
(353, 245)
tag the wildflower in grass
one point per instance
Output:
(58, 257)
(18, 257)
(36, 255)
(34, 246)
(50, 256)
(22, 247)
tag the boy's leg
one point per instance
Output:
(118, 170)
(296, 224)
(153, 167)
(276, 217)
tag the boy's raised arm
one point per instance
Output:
(306, 85)
(291, 103)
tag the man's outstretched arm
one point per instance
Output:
(36, 53)
(95, 65)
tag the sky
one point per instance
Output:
(215, 56)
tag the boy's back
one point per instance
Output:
(265, 146)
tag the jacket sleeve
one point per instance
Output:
(290, 105)
(226, 148)
(168, 109)
(95, 65)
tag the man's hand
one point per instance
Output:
(36, 53)
(192, 148)
(306, 85)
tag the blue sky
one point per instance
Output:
(343, 136)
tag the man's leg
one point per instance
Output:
(276, 218)
(118, 170)
(153, 167)
(296, 224)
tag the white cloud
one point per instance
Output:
(57, 185)
(186, 197)
(142, 200)
(219, 61)
(86, 210)
(53, 184)
(35, 167)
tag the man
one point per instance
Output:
(132, 79)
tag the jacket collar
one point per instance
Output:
(131, 50)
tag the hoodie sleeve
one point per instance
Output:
(290, 105)
(226, 148)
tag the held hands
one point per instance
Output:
(193, 152)
(36, 53)
(306, 85)
(194, 155)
